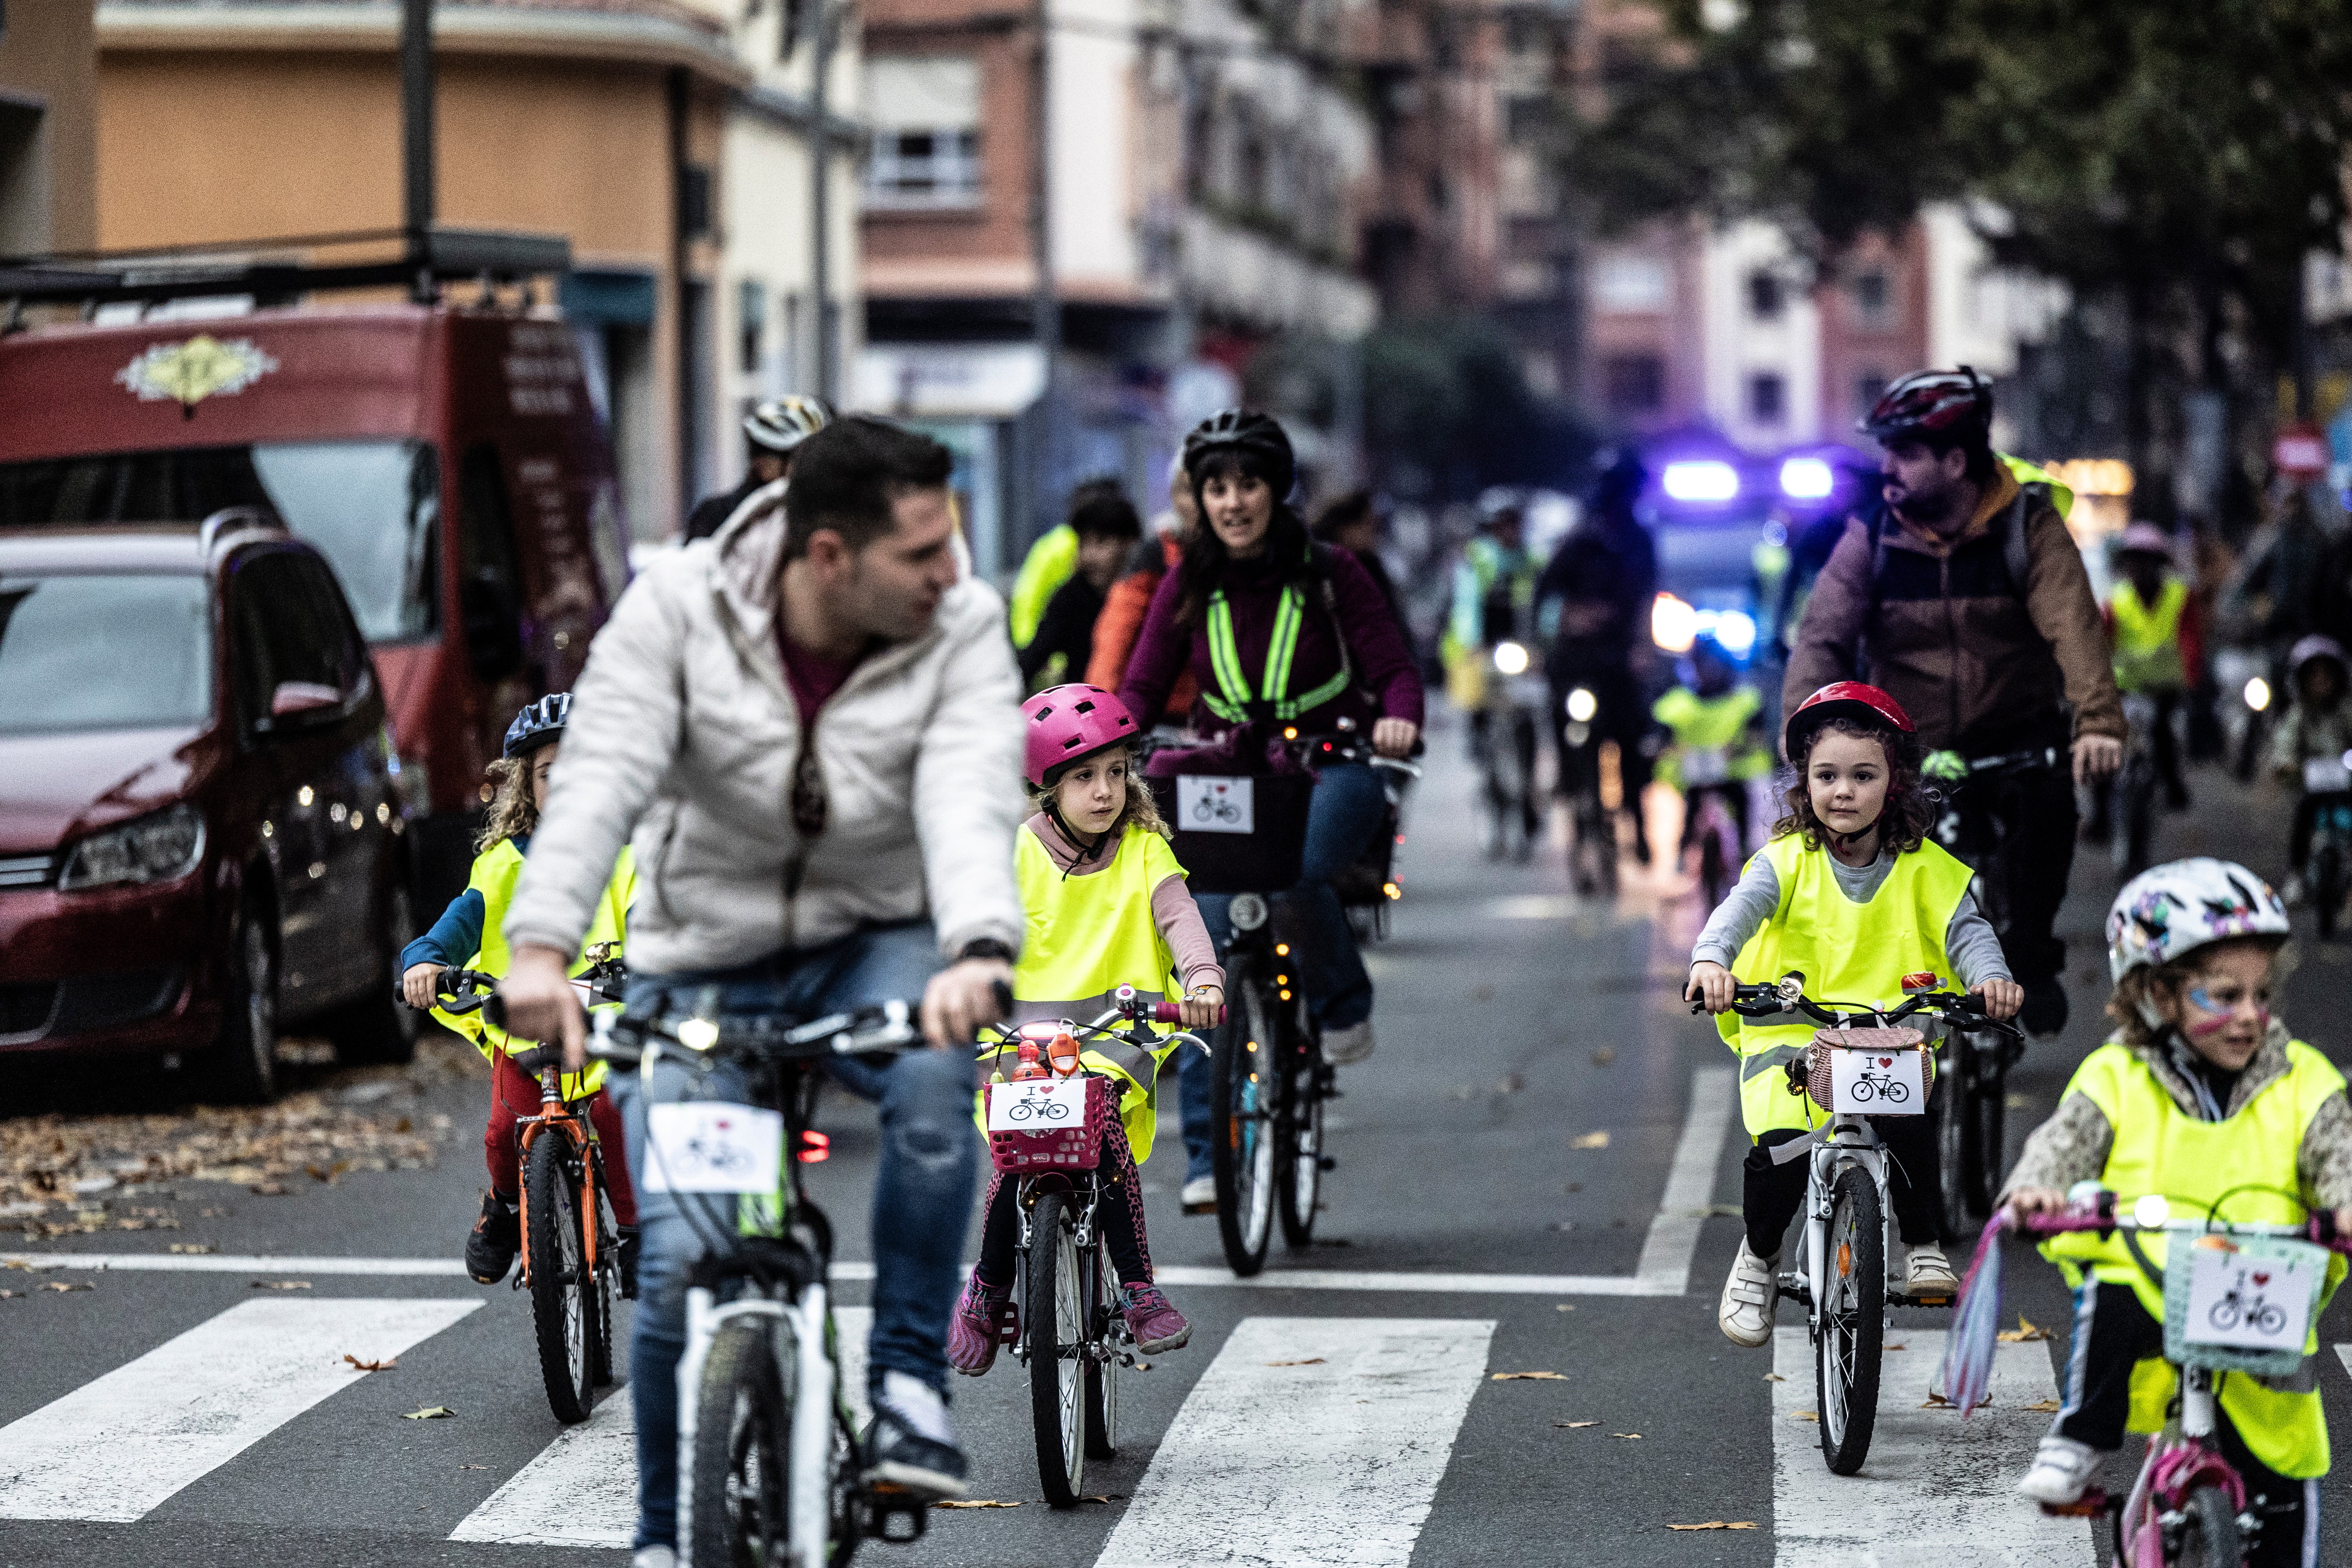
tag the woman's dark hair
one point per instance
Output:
(1909, 811)
(1205, 558)
(1099, 508)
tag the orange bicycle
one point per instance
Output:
(571, 1243)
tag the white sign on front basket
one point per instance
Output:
(1876, 1083)
(1208, 805)
(2325, 775)
(2246, 1304)
(712, 1146)
(1037, 1105)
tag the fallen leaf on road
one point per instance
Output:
(13, 1295)
(1563, 1307)
(1531, 1377)
(1604, 1056)
(194, 1246)
(1624, 1434)
(1718, 1524)
(1774, 1377)
(281, 1284)
(2046, 1407)
(2025, 1332)
(374, 1366)
(62, 1285)
(432, 1413)
(1590, 1141)
(330, 1174)
(18, 1263)
(1813, 1416)
(1108, 1497)
(976, 1502)
(1894, 1347)
(1572, 1426)
(1310, 1361)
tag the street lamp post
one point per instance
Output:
(416, 114)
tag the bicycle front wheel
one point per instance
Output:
(735, 1510)
(562, 1296)
(1850, 1326)
(1056, 1320)
(2209, 1532)
(1242, 1117)
(1985, 1105)
(1298, 1172)
(1102, 1374)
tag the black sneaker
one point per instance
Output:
(628, 1256)
(897, 1455)
(2044, 1012)
(491, 1245)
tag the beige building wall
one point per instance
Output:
(48, 143)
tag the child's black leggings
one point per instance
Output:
(1771, 1194)
(1122, 1217)
(2113, 1330)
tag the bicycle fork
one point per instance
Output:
(529, 1130)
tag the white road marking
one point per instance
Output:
(1936, 1489)
(1306, 1465)
(117, 1447)
(1690, 1183)
(577, 1492)
(2344, 1355)
(231, 1263)
(1432, 1284)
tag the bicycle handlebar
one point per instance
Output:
(883, 1029)
(2320, 1228)
(1788, 996)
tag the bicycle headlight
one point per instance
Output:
(1582, 705)
(1247, 911)
(2258, 694)
(2151, 1210)
(697, 1033)
(1511, 657)
(157, 848)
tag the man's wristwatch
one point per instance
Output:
(985, 947)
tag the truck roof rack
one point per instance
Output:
(416, 260)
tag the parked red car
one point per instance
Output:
(199, 803)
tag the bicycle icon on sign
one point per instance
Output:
(718, 1156)
(1869, 1086)
(2264, 1317)
(1038, 1110)
(1218, 808)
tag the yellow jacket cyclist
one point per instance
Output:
(1851, 892)
(1107, 906)
(470, 934)
(2199, 1095)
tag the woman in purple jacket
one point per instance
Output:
(1254, 602)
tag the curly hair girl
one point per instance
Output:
(1902, 822)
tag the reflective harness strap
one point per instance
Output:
(1238, 700)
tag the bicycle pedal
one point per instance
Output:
(2090, 1505)
(1326, 1163)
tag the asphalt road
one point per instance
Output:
(1343, 1409)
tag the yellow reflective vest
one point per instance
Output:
(496, 871)
(1711, 724)
(1848, 953)
(2252, 1157)
(1087, 936)
(1042, 572)
(2148, 637)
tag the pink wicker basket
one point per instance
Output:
(1073, 1146)
(1885, 1042)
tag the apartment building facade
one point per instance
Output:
(48, 130)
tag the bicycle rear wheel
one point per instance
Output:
(1298, 1155)
(1054, 1317)
(1947, 1108)
(1987, 1108)
(1243, 1105)
(734, 1512)
(562, 1296)
(1850, 1330)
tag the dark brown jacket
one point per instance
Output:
(1981, 663)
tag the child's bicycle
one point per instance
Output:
(2328, 792)
(768, 1472)
(570, 1245)
(1841, 1274)
(1069, 1333)
(2189, 1505)
(1710, 822)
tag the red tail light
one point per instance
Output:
(815, 1149)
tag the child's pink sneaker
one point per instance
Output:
(983, 1320)
(1156, 1325)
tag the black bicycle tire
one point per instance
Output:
(1232, 1059)
(1865, 1270)
(551, 1197)
(606, 1294)
(2207, 1515)
(740, 1395)
(2328, 889)
(1946, 1107)
(1988, 1110)
(1297, 1173)
(1102, 1375)
(1041, 1321)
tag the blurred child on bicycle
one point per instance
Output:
(470, 934)
(2199, 1094)
(2157, 645)
(1713, 716)
(2310, 745)
(1107, 906)
(1851, 893)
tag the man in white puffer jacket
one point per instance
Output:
(808, 726)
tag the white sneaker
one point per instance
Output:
(1927, 1272)
(1749, 1300)
(2061, 1470)
(1346, 1048)
(654, 1557)
(1200, 1196)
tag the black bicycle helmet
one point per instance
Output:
(1948, 407)
(540, 723)
(1256, 438)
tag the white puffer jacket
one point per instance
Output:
(682, 738)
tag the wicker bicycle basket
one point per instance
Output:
(1884, 1042)
(2252, 1249)
(1076, 1145)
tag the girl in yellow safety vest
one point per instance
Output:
(1851, 892)
(1107, 906)
(2199, 1094)
(470, 935)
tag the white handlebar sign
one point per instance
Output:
(1209, 805)
(1037, 1105)
(1876, 1083)
(713, 1146)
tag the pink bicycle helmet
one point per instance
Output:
(1069, 723)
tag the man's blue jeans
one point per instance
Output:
(1349, 807)
(922, 1197)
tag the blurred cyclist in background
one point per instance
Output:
(1592, 602)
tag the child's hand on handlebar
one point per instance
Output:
(2036, 1200)
(420, 984)
(1205, 1009)
(2003, 998)
(1711, 984)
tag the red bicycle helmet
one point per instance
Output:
(1952, 404)
(1069, 723)
(1841, 700)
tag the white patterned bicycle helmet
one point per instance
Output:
(2168, 912)
(783, 423)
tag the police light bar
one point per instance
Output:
(1700, 480)
(1807, 479)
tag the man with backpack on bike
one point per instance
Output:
(1961, 592)
(811, 724)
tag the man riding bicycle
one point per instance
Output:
(812, 727)
(1961, 594)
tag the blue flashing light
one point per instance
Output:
(1735, 630)
(1700, 480)
(1807, 479)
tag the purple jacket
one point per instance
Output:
(1387, 685)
